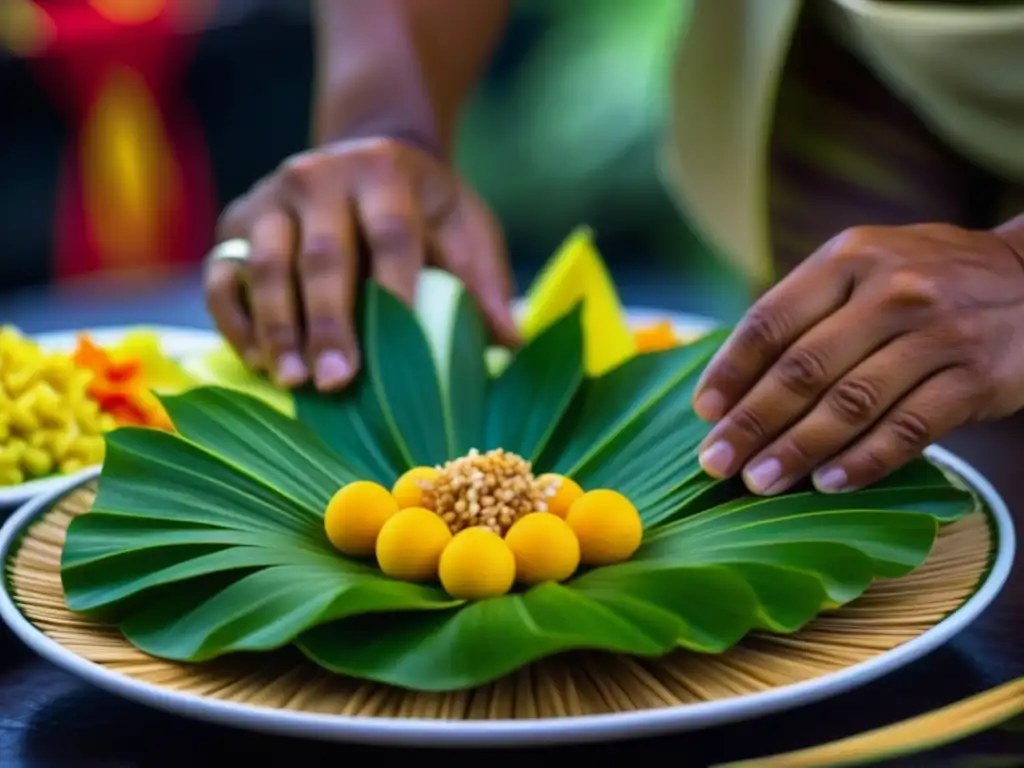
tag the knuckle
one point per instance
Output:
(976, 382)
(872, 464)
(320, 256)
(269, 266)
(749, 423)
(385, 159)
(855, 401)
(324, 332)
(763, 328)
(391, 234)
(798, 450)
(233, 218)
(909, 288)
(910, 430)
(942, 231)
(802, 371)
(280, 336)
(461, 264)
(299, 172)
(384, 153)
(963, 333)
(854, 244)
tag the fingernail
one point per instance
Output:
(332, 370)
(763, 475)
(831, 480)
(710, 405)
(717, 459)
(291, 371)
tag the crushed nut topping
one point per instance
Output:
(491, 490)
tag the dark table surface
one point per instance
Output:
(49, 718)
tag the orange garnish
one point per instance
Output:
(89, 356)
(655, 338)
(119, 387)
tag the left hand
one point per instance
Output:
(880, 343)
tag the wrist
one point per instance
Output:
(370, 79)
(381, 126)
(340, 116)
(384, 127)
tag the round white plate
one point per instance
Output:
(511, 733)
(176, 342)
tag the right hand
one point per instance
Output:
(306, 223)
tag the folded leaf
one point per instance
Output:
(609, 405)
(352, 424)
(267, 609)
(467, 377)
(260, 441)
(551, 367)
(196, 556)
(210, 540)
(401, 367)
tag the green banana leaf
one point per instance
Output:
(210, 540)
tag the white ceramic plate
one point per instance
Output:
(176, 342)
(185, 343)
(511, 733)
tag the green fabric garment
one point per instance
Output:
(958, 65)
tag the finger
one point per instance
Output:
(940, 405)
(816, 289)
(224, 287)
(394, 231)
(235, 219)
(792, 385)
(468, 244)
(846, 412)
(271, 277)
(328, 272)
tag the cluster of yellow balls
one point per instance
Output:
(412, 543)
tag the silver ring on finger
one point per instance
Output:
(235, 249)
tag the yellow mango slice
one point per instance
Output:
(223, 368)
(576, 271)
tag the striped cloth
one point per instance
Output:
(845, 152)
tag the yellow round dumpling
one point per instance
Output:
(545, 548)
(607, 526)
(567, 491)
(476, 564)
(407, 490)
(355, 516)
(410, 544)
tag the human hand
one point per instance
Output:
(883, 341)
(306, 223)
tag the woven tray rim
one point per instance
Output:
(517, 732)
